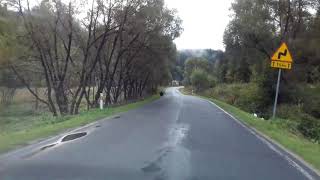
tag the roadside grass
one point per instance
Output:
(19, 128)
(276, 129)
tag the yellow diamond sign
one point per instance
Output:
(282, 58)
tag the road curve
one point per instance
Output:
(175, 138)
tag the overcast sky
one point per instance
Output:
(204, 22)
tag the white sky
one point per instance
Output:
(204, 22)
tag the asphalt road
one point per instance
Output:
(175, 138)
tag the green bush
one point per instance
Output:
(311, 101)
(251, 99)
(306, 95)
(248, 97)
(310, 128)
(212, 81)
(228, 93)
(303, 123)
(199, 79)
(288, 111)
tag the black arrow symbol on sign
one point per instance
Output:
(282, 54)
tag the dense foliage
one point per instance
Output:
(82, 50)
(183, 56)
(243, 71)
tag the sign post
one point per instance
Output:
(281, 59)
(277, 94)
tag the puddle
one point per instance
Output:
(71, 137)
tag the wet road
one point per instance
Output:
(175, 138)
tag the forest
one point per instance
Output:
(242, 76)
(68, 56)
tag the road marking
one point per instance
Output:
(270, 145)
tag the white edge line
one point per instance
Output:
(265, 139)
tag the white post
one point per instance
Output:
(101, 101)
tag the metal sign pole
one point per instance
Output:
(277, 94)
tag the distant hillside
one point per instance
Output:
(183, 55)
(209, 54)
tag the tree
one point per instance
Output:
(195, 63)
(121, 48)
(257, 28)
(199, 79)
(8, 50)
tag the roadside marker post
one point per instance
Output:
(101, 101)
(281, 59)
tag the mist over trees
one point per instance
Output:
(183, 56)
(78, 51)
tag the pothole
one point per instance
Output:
(117, 117)
(74, 136)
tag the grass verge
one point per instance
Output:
(53, 126)
(276, 130)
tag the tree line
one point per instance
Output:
(242, 75)
(259, 27)
(79, 51)
(256, 31)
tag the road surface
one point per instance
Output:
(175, 138)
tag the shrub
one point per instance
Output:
(288, 111)
(212, 81)
(251, 99)
(228, 93)
(311, 101)
(306, 95)
(248, 97)
(199, 79)
(310, 128)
